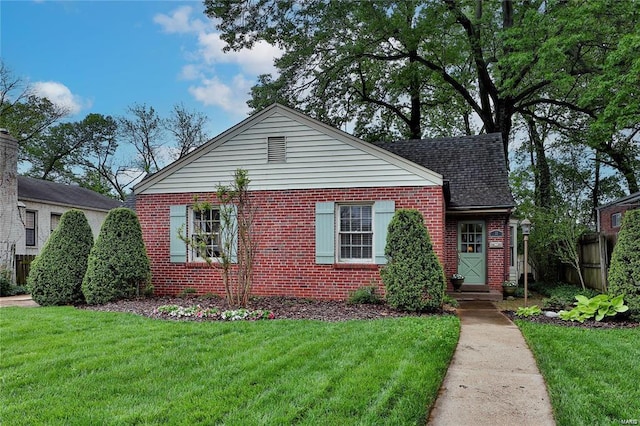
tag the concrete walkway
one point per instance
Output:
(22, 300)
(493, 378)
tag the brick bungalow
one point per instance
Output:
(325, 199)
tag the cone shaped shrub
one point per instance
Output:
(118, 266)
(414, 278)
(55, 276)
(624, 271)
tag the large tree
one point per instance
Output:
(23, 113)
(403, 68)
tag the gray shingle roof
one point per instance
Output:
(68, 195)
(475, 167)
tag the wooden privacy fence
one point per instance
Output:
(595, 251)
(23, 263)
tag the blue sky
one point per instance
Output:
(103, 56)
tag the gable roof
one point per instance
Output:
(631, 199)
(38, 190)
(475, 167)
(321, 157)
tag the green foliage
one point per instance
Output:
(528, 311)
(118, 265)
(624, 271)
(448, 300)
(562, 295)
(55, 275)
(414, 278)
(187, 291)
(5, 282)
(597, 307)
(364, 295)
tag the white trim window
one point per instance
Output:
(205, 225)
(30, 228)
(355, 233)
(616, 220)
(55, 220)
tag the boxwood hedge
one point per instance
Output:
(55, 276)
(118, 266)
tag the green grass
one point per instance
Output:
(593, 375)
(60, 365)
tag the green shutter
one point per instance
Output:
(325, 233)
(231, 226)
(383, 211)
(177, 247)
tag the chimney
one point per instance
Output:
(10, 224)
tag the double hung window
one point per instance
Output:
(30, 228)
(355, 233)
(205, 231)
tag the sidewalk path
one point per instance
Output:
(22, 300)
(493, 378)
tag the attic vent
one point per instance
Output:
(276, 149)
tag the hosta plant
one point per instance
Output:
(597, 307)
(529, 311)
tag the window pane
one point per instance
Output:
(206, 230)
(355, 232)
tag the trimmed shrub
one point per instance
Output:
(55, 275)
(5, 282)
(364, 296)
(118, 266)
(414, 278)
(624, 271)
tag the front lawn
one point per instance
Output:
(65, 366)
(592, 375)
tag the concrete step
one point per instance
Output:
(492, 295)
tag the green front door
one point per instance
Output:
(472, 259)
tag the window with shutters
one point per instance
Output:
(30, 228)
(205, 229)
(276, 149)
(355, 233)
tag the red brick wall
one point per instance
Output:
(497, 258)
(605, 217)
(285, 228)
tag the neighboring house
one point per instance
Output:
(610, 215)
(42, 203)
(30, 209)
(325, 199)
(609, 222)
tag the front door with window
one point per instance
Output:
(472, 260)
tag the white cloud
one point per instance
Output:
(258, 60)
(227, 87)
(179, 21)
(60, 95)
(231, 98)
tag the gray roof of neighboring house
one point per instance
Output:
(69, 195)
(629, 199)
(474, 166)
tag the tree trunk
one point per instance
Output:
(541, 170)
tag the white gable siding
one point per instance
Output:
(314, 159)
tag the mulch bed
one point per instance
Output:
(282, 307)
(324, 310)
(607, 322)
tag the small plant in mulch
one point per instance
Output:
(198, 312)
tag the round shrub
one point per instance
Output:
(624, 271)
(118, 266)
(55, 275)
(414, 278)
